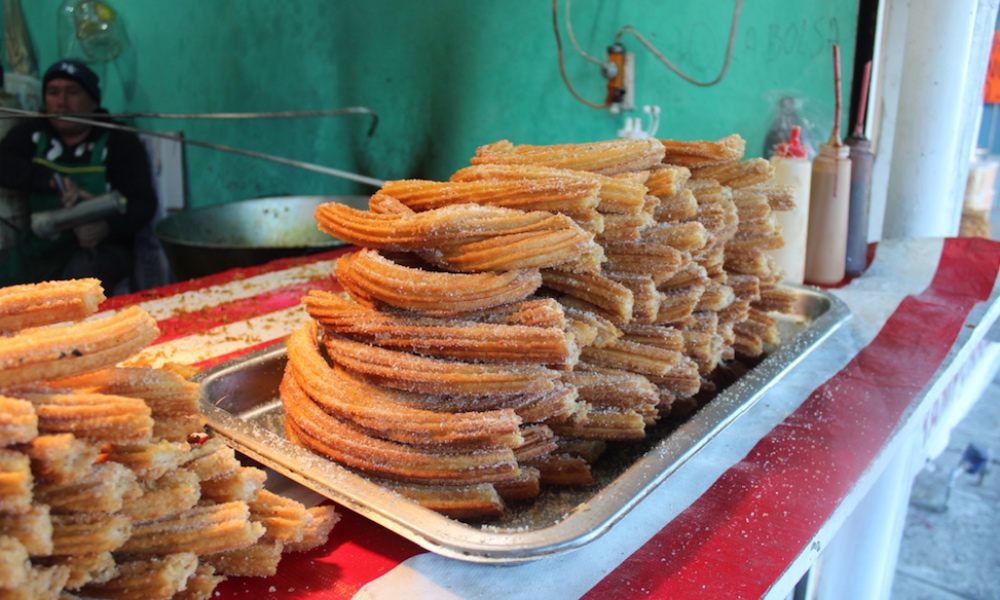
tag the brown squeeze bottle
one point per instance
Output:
(862, 161)
(829, 203)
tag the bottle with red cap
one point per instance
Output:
(792, 167)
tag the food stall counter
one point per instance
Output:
(828, 453)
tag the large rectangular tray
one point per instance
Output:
(241, 404)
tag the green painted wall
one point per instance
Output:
(445, 76)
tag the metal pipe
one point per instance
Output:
(49, 223)
(167, 136)
(223, 115)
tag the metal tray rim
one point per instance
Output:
(459, 540)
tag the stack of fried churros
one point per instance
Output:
(498, 329)
(109, 487)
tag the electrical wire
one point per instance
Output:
(168, 136)
(562, 61)
(725, 65)
(572, 38)
(629, 29)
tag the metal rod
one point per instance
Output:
(167, 136)
(223, 115)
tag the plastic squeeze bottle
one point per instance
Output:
(862, 161)
(792, 167)
(829, 202)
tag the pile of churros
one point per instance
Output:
(499, 329)
(109, 485)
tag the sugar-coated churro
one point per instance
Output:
(607, 158)
(47, 303)
(43, 354)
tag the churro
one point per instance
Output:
(463, 237)
(528, 486)
(204, 529)
(41, 583)
(703, 153)
(566, 248)
(666, 181)
(165, 392)
(376, 281)
(601, 386)
(146, 578)
(50, 353)
(149, 461)
(102, 418)
(378, 410)
(47, 303)
(14, 563)
(201, 584)
(103, 489)
(611, 298)
(458, 502)
(15, 481)
(446, 338)
(743, 174)
(690, 236)
(409, 372)
(244, 484)
(32, 528)
(539, 440)
(83, 568)
(61, 457)
(316, 530)
(646, 299)
(659, 260)
(259, 559)
(778, 299)
(211, 459)
(562, 470)
(18, 421)
(284, 520)
(745, 287)
(606, 158)
(779, 197)
(89, 533)
(352, 447)
(643, 359)
(175, 491)
(624, 228)
(682, 381)
(562, 191)
(715, 297)
(623, 194)
(752, 206)
(606, 423)
(680, 206)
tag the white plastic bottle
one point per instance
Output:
(792, 167)
(829, 202)
(829, 211)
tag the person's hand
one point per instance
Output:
(73, 193)
(92, 234)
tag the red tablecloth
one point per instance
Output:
(728, 531)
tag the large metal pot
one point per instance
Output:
(249, 232)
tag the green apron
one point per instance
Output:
(35, 259)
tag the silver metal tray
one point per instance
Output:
(241, 404)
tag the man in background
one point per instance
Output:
(60, 163)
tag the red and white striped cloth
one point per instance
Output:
(722, 527)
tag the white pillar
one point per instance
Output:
(944, 62)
